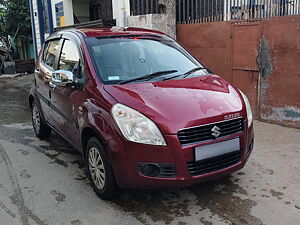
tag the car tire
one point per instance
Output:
(99, 170)
(41, 129)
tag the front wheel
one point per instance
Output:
(100, 170)
(41, 129)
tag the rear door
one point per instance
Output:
(46, 65)
(66, 101)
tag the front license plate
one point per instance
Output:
(216, 149)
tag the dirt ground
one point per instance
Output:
(44, 182)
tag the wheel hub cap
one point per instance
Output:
(96, 168)
(36, 118)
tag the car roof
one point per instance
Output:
(113, 31)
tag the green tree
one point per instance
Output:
(16, 15)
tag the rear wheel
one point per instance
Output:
(40, 128)
(100, 171)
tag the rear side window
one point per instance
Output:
(51, 52)
(69, 58)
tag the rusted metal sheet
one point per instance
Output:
(247, 81)
(210, 43)
(280, 84)
(245, 46)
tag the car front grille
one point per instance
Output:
(204, 133)
(204, 166)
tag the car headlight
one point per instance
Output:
(136, 127)
(248, 109)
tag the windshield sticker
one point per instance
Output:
(113, 78)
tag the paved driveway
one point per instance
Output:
(44, 182)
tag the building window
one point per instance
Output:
(59, 14)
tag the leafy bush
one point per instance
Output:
(16, 14)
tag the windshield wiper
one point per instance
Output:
(193, 70)
(149, 76)
(185, 74)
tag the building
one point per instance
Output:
(46, 15)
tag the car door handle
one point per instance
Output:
(52, 85)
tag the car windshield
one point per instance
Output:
(125, 58)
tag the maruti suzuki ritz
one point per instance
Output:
(141, 109)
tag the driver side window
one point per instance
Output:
(69, 58)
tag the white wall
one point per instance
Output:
(165, 23)
(149, 21)
(68, 12)
(121, 11)
(36, 24)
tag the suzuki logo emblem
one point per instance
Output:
(215, 131)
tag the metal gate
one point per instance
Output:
(229, 49)
(245, 52)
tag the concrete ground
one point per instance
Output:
(44, 182)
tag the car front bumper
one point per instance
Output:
(127, 157)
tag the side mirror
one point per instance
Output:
(62, 78)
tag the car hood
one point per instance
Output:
(177, 104)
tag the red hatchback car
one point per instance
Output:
(143, 112)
